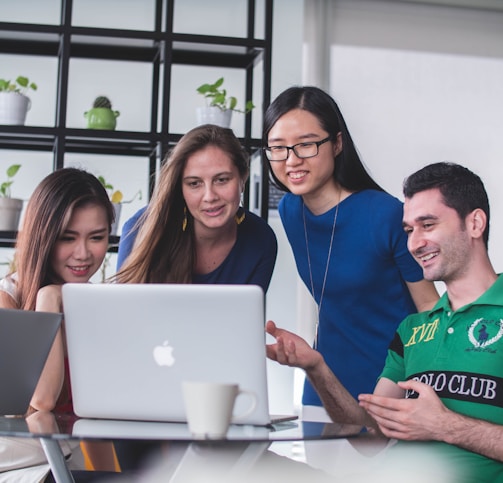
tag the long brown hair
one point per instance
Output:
(162, 251)
(47, 215)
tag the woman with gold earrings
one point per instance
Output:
(194, 229)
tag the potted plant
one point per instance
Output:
(10, 208)
(220, 106)
(10, 265)
(14, 103)
(101, 116)
(117, 199)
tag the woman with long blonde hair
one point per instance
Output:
(194, 229)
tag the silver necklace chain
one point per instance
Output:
(326, 266)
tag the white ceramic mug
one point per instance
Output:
(209, 407)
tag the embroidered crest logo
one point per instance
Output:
(482, 334)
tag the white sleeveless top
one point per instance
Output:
(9, 285)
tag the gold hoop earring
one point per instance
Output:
(185, 221)
(240, 215)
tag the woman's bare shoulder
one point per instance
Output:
(7, 301)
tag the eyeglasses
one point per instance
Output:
(301, 150)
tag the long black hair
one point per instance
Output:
(349, 171)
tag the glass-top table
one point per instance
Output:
(51, 428)
(54, 426)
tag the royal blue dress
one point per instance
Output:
(365, 295)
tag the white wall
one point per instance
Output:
(420, 84)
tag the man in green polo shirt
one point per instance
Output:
(443, 376)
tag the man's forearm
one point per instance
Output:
(338, 402)
(474, 435)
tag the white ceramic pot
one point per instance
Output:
(13, 108)
(213, 115)
(10, 213)
(115, 224)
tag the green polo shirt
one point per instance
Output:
(460, 354)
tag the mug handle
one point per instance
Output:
(237, 417)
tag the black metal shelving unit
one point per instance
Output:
(162, 47)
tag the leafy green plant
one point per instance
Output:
(21, 85)
(116, 196)
(5, 186)
(10, 263)
(217, 96)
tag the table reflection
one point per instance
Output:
(296, 430)
(49, 425)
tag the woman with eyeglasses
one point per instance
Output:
(347, 238)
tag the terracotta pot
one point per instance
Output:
(10, 213)
(13, 108)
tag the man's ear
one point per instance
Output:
(476, 222)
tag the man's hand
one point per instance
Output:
(290, 349)
(424, 418)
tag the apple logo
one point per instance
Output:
(163, 354)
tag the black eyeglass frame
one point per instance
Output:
(267, 150)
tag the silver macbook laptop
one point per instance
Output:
(26, 338)
(130, 346)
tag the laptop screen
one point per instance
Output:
(130, 346)
(26, 338)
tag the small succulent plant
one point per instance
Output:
(102, 101)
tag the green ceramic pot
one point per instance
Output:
(101, 118)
